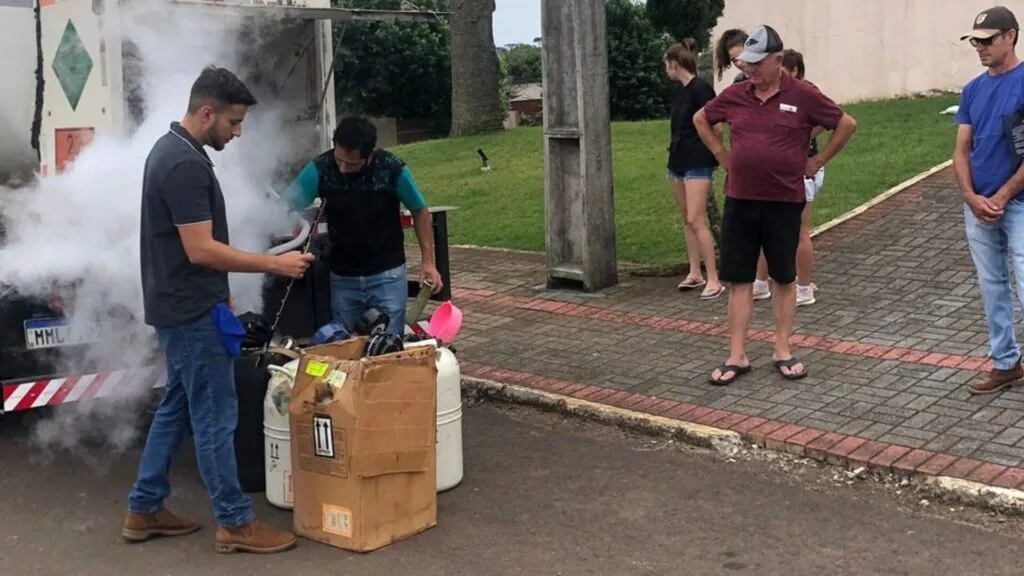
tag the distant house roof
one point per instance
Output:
(526, 92)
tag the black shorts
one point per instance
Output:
(749, 226)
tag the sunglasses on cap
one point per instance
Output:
(987, 41)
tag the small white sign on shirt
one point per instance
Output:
(787, 107)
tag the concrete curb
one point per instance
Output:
(725, 441)
(879, 199)
(495, 249)
(1005, 500)
(624, 265)
(728, 442)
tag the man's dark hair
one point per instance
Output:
(356, 133)
(219, 87)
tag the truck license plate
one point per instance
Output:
(57, 332)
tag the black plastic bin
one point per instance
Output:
(307, 309)
(251, 382)
(309, 304)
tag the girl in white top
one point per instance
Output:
(793, 64)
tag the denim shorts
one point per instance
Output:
(812, 185)
(692, 174)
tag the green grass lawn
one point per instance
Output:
(504, 208)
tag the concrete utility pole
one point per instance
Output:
(577, 146)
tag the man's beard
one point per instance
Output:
(212, 141)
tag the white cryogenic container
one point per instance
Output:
(449, 417)
(277, 436)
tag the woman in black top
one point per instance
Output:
(691, 166)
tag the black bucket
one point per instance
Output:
(251, 381)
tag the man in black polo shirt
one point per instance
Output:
(185, 259)
(365, 188)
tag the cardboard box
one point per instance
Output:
(363, 445)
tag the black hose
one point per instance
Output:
(37, 118)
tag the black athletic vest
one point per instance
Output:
(363, 214)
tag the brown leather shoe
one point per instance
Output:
(997, 381)
(253, 537)
(142, 527)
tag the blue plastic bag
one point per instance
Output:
(330, 332)
(229, 329)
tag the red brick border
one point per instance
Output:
(840, 449)
(846, 347)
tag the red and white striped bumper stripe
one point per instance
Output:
(29, 395)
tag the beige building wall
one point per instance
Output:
(871, 49)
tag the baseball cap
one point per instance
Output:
(764, 40)
(990, 22)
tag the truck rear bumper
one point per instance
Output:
(24, 395)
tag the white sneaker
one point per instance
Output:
(804, 296)
(761, 290)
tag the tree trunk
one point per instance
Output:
(476, 107)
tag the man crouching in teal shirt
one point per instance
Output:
(363, 187)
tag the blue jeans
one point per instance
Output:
(692, 174)
(387, 291)
(991, 246)
(199, 398)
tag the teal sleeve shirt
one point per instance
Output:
(305, 188)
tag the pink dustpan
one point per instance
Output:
(445, 322)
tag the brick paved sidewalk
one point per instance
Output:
(896, 334)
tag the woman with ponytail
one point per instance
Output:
(727, 52)
(691, 167)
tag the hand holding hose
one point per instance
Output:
(293, 264)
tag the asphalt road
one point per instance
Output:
(541, 496)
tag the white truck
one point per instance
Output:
(67, 78)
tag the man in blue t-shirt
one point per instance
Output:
(990, 178)
(365, 188)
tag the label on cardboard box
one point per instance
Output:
(322, 447)
(323, 436)
(337, 520)
(337, 378)
(316, 369)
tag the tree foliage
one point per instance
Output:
(686, 18)
(522, 63)
(637, 84)
(404, 70)
(679, 19)
(400, 69)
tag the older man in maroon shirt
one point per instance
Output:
(770, 119)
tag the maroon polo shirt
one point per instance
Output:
(768, 140)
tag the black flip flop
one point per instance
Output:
(737, 371)
(789, 363)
